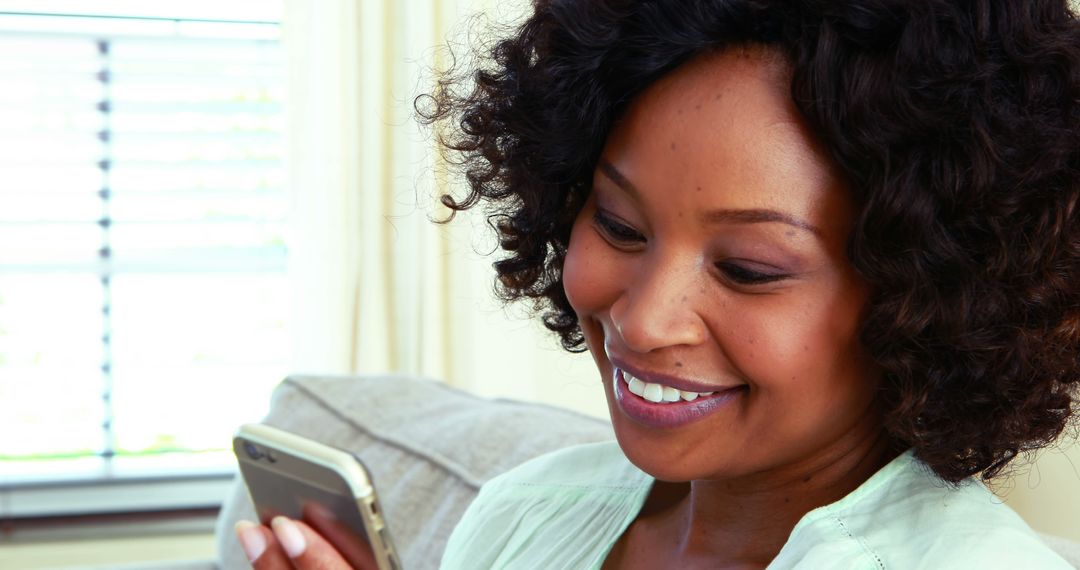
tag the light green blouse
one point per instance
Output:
(565, 510)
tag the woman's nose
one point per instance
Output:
(658, 311)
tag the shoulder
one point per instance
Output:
(580, 497)
(906, 517)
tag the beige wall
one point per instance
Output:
(1047, 494)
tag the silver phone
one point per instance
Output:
(328, 488)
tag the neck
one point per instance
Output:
(748, 520)
(754, 519)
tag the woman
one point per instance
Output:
(824, 257)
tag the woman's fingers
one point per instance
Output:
(291, 544)
(352, 546)
(306, 548)
(261, 547)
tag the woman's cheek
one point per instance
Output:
(773, 340)
(585, 289)
(587, 272)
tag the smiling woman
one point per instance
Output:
(824, 255)
(826, 270)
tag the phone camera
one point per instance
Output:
(252, 451)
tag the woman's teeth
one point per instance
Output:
(658, 393)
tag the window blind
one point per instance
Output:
(143, 288)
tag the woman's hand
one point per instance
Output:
(289, 544)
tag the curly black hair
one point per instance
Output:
(956, 124)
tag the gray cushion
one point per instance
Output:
(1068, 549)
(428, 446)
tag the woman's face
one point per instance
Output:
(710, 257)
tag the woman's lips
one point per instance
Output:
(669, 414)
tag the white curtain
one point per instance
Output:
(376, 285)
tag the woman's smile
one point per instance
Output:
(664, 406)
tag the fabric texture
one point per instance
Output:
(567, 509)
(428, 446)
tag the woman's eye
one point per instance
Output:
(741, 275)
(615, 230)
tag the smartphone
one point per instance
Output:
(328, 488)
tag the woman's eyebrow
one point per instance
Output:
(615, 176)
(737, 216)
(756, 216)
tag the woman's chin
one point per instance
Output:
(661, 458)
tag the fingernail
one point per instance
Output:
(251, 540)
(288, 534)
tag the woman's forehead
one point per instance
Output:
(725, 123)
(736, 96)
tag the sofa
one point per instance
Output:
(429, 448)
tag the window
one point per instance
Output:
(143, 287)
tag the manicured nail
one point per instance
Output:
(251, 540)
(288, 534)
